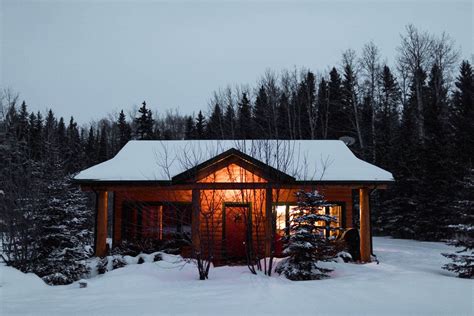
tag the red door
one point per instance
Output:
(235, 231)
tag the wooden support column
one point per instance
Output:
(117, 214)
(364, 225)
(268, 221)
(101, 224)
(196, 219)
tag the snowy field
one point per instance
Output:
(408, 281)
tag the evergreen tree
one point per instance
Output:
(387, 119)
(103, 145)
(351, 116)
(90, 149)
(283, 131)
(214, 128)
(337, 118)
(65, 234)
(144, 123)
(244, 118)
(61, 134)
(463, 118)
(190, 129)
(261, 114)
(124, 130)
(200, 126)
(229, 122)
(36, 136)
(73, 152)
(463, 232)
(306, 243)
(323, 109)
(306, 107)
(22, 126)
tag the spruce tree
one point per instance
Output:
(307, 243)
(103, 149)
(200, 126)
(64, 234)
(214, 128)
(244, 118)
(144, 123)
(336, 115)
(261, 114)
(306, 107)
(462, 118)
(229, 122)
(283, 131)
(189, 128)
(124, 130)
(463, 232)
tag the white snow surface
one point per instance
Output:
(308, 160)
(408, 281)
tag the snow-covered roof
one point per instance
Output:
(305, 160)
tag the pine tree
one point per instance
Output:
(229, 122)
(283, 131)
(73, 152)
(462, 118)
(323, 109)
(306, 107)
(200, 126)
(214, 128)
(65, 234)
(463, 232)
(90, 149)
(124, 130)
(387, 119)
(144, 123)
(306, 243)
(244, 118)
(337, 118)
(190, 129)
(261, 114)
(351, 116)
(103, 145)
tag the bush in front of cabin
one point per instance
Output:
(307, 243)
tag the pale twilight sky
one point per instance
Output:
(91, 58)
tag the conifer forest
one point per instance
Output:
(413, 116)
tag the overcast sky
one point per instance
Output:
(91, 58)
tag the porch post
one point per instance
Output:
(101, 224)
(196, 220)
(117, 224)
(364, 225)
(268, 221)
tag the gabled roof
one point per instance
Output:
(232, 156)
(303, 160)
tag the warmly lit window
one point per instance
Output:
(281, 213)
(280, 219)
(336, 211)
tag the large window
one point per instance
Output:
(284, 216)
(159, 221)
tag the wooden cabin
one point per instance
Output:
(225, 195)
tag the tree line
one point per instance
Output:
(414, 119)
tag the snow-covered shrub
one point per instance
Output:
(307, 244)
(118, 262)
(102, 265)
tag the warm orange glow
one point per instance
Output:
(233, 174)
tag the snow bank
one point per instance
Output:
(328, 160)
(409, 280)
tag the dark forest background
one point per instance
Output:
(415, 119)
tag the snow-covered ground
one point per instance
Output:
(408, 281)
